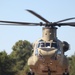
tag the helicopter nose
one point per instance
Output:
(46, 53)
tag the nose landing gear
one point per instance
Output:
(49, 72)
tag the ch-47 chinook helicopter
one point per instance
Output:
(48, 56)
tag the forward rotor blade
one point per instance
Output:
(37, 15)
(19, 23)
(65, 20)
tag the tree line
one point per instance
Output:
(16, 62)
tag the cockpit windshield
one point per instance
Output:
(43, 44)
(47, 44)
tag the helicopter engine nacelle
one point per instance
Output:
(65, 46)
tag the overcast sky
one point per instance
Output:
(52, 10)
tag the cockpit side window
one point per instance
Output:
(54, 45)
(36, 52)
(41, 44)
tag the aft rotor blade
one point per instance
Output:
(37, 15)
(65, 20)
(19, 23)
(66, 24)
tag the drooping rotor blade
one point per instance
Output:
(6, 24)
(65, 20)
(37, 15)
(66, 24)
(19, 23)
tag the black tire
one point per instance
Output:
(65, 74)
(49, 72)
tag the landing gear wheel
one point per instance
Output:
(49, 72)
(65, 74)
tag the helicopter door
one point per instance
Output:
(39, 45)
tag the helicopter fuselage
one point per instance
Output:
(48, 55)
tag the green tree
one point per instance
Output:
(22, 50)
(5, 64)
(72, 65)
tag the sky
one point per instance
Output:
(52, 10)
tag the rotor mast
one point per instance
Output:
(49, 33)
